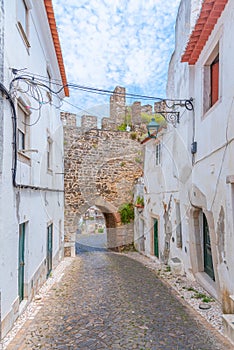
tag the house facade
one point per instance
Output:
(31, 152)
(189, 190)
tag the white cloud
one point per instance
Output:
(116, 42)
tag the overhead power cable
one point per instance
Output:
(43, 80)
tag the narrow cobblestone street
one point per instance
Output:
(106, 300)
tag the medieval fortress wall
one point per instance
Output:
(101, 167)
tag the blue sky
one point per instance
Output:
(106, 43)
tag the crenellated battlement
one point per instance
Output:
(120, 114)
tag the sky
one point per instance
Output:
(109, 43)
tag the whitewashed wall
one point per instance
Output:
(205, 181)
(38, 208)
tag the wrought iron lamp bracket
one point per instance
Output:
(170, 115)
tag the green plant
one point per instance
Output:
(140, 201)
(205, 298)
(168, 268)
(122, 127)
(126, 212)
(100, 230)
(122, 164)
(133, 135)
(138, 160)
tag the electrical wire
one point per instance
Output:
(170, 103)
(8, 96)
(14, 127)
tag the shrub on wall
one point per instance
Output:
(126, 213)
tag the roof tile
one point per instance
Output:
(55, 37)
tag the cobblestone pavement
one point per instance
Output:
(109, 301)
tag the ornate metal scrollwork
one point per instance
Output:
(166, 108)
(170, 117)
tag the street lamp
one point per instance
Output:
(153, 128)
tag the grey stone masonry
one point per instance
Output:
(88, 122)
(118, 105)
(101, 167)
(120, 113)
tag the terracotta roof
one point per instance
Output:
(54, 33)
(210, 12)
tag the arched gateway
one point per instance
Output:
(100, 168)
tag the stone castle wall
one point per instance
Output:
(101, 167)
(119, 111)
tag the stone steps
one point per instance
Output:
(228, 322)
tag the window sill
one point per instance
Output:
(22, 157)
(211, 109)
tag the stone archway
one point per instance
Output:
(100, 168)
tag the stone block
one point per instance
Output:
(176, 266)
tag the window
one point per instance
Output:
(158, 154)
(49, 153)
(49, 94)
(23, 133)
(22, 15)
(23, 7)
(211, 80)
(214, 83)
(178, 226)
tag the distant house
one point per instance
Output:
(31, 152)
(189, 170)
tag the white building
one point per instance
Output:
(189, 191)
(31, 152)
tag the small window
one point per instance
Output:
(211, 80)
(49, 84)
(23, 132)
(22, 15)
(178, 226)
(214, 83)
(23, 7)
(158, 154)
(49, 153)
